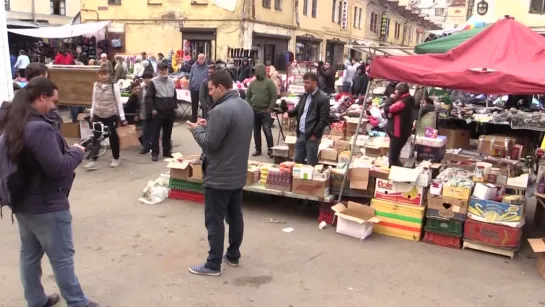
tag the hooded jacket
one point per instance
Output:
(49, 164)
(273, 75)
(261, 93)
(245, 71)
(161, 97)
(198, 74)
(360, 82)
(225, 142)
(400, 119)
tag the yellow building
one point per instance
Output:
(529, 12)
(31, 13)
(230, 29)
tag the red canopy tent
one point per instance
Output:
(506, 58)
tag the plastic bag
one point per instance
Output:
(155, 192)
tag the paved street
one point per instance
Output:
(130, 254)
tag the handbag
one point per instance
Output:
(127, 136)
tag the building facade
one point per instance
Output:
(529, 12)
(265, 29)
(33, 13)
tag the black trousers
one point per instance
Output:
(158, 122)
(220, 205)
(396, 144)
(262, 119)
(111, 122)
(194, 105)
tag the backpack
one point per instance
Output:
(12, 179)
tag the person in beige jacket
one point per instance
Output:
(273, 75)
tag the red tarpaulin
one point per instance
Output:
(506, 58)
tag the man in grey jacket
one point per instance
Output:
(197, 75)
(225, 141)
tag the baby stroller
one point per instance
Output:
(97, 144)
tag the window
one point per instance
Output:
(397, 30)
(339, 10)
(115, 2)
(57, 7)
(6, 4)
(278, 5)
(359, 18)
(336, 12)
(305, 7)
(355, 17)
(267, 4)
(537, 7)
(374, 22)
(439, 12)
(314, 8)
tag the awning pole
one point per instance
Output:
(364, 107)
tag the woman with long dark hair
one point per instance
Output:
(46, 167)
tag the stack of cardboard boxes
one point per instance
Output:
(185, 178)
(400, 202)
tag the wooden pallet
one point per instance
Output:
(489, 249)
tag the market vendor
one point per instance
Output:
(312, 114)
(426, 116)
(398, 109)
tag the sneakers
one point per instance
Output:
(256, 153)
(144, 152)
(201, 269)
(167, 155)
(154, 158)
(52, 300)
(90, 166)
(115, 163)
(233, 263)
(270, 153)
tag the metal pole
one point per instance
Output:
(355, 138)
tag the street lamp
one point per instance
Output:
(482, 7)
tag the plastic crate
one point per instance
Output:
(327, 215)
(442, 240)
(186, 195)
(185, 185)
(452, 228)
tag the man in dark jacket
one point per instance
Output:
(399, 110)
(161, 107)
(328, 72)
(225, 141)
(204, 97)
(261, 95)
(360, 81)
(198, 74)
(245, 71)
(312, 114)
(41, 206)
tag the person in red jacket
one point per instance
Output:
(398, 110)
(69, 60)
(60, 58)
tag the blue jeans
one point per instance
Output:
(306, 149)
(49, 233)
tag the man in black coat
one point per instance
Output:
(312, 114)
(245, 71)
(328, 72)
(360, 81)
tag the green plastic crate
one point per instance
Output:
(185, 185)
(451, 227)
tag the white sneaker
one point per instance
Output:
(90, 166)
(115, 163)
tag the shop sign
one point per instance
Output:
(384, 27)
(344, 15)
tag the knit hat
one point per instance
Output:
(147, 75)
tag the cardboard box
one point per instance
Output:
(445, 207)
(344, 157)
(485, 191)
(180, 170)
(456, 192)
(290, 141)
(359, 178)
(341, 145)
(538, 246)
(300, 171)
(355, 220)
(196, 170)
(315, 187)
(329, 154)
(493, 235)
(456, 138)
(430, 153)
(493, 212)
(397, 220)
(497, 146)
(281, 151)
(70, 130)
(401, 187)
